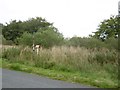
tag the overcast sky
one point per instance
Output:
(71, 17)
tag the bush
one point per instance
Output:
(46, 38)
(11, 54)
(104, 56)
(15, 67)
(25, 39)
(110, 43)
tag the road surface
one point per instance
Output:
(17, 79)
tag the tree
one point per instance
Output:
(33, 24)
(108, 28)
(12, 31)
(15, 29)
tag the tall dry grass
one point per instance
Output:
(63, 58)
(102, 63)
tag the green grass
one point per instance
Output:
(101, 79)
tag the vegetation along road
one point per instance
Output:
(92, 60)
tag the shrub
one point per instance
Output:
(11, 53)
(104, 56)
(47, 38)
(110, 43)
(25, 39)
(15, 67)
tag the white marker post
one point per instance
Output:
(37, 48)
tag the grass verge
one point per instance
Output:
(77, 77)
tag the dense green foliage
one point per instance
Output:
(108, 28)
(15, 29)
(47, 38)
(12, 31)
(111, 43)
(41, 32)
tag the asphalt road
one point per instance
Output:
(17, 79)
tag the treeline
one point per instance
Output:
(35, 29)
(40, 31)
